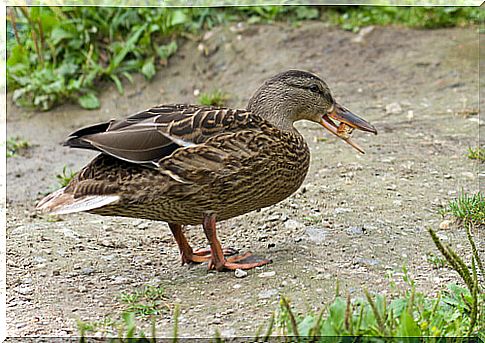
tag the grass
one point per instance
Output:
(214, 98)
(65, 177)
(355, 17)
(468, 209)
(61, 54)
(457, 311)
(150, 300)
(16, 145)
(476, 154)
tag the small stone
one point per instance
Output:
(56, 273)
(82, 289)
(447, 176)
(237, 286)
(367, 261)
(18, 230)
(293, 225)
(410, 115)
(143, 226)
(70, 234)
(355, 230)
(340, 210)
(119, 280)
(39, 259)
(266, 294)
(393, 108)
(24, 290)
(445, 224)
(273, 218)
(392, 187)
(316, 234)
(267, 274)
(239, 273)
(21, 325)
(87, 271)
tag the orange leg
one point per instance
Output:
(218, 261)
(187, 254)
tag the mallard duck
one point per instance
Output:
(190, 164)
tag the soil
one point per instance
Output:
(356, 219)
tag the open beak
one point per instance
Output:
(348, 122)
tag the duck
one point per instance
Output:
(189, 164)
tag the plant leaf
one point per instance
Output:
(89, 101)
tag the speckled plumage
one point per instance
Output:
(240, 163)
(190, 164)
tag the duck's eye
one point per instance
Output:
(315, 89)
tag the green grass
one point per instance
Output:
(150, 300)
(214, 98)
(467, 208)
(354, 17)
(15, 145)
(476, 154)
(65, 177)
(61, 54)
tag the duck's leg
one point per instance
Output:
(218, 261)
(187, 254)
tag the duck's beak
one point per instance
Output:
(348, 122)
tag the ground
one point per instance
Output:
(356, 219)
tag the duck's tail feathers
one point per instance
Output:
(60, 202)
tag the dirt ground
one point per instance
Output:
(356, 218)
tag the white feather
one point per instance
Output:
(87, 203)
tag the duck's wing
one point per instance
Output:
(148, 136)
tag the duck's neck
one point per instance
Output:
(273, 107)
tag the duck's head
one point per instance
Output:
(295, 95)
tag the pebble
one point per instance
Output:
(266, 294)
(445, 224)
(82, 289)
(119, 280)
(237, 286)
(267, 274)
(24, 290)
(393, 108)
(239, 273)
(355, 230)
(39, 259)
(340, 210)
(18, 230)
(367, 261)
(316, 234)
(143, 226)
(392, 187)
(70, 233)
(293, 225)
(410, 115)
(87, 271)
(273, 218)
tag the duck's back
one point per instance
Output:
(178, 162)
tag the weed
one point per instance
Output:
(476, 154)
(469, 209)
(214, 98)
(15, 145)
(60, 54)
(66, 177)
(150, 300)
(353, 18)
(436, 261)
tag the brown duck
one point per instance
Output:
(190, 164)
